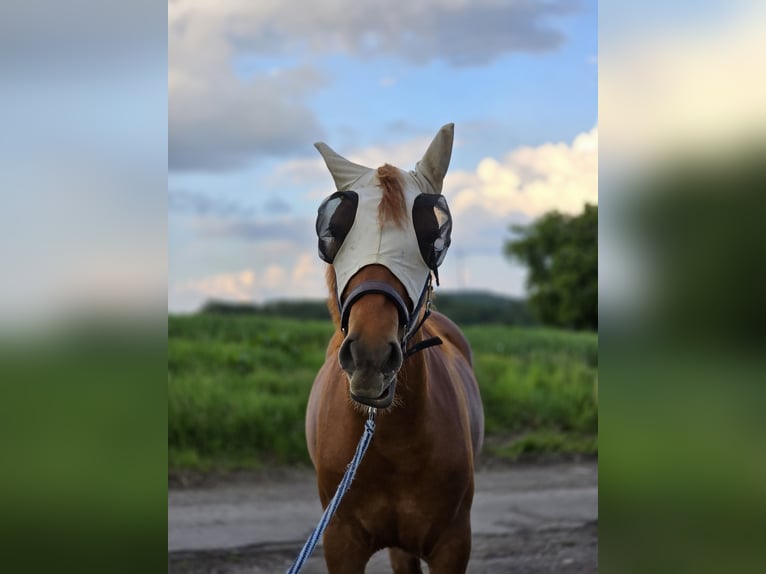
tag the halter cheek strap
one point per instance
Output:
(406, 319)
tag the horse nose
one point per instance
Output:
(394, 360)
(346, 355)
(386, 359)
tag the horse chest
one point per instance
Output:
(402, 509)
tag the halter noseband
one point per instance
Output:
(407, 320)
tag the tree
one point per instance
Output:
(561, 253)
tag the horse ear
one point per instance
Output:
(344, 172)
(433, 166)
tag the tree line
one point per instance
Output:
(464, 307)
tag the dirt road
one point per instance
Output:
(526, 519)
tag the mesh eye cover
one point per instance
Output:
(433, 227)
(335, 217)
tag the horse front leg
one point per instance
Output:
(347, 548)
(402, 562)
(453, 550)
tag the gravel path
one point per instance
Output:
(526, 519)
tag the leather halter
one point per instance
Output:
(368, 287)
(407, 320)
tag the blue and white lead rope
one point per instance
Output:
(364, 442)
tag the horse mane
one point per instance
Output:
(332, 302)
(392, 207)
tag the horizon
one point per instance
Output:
(323, 300)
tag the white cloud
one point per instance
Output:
(229, 286)
(530, 180)
(303, 277)
(305, 267)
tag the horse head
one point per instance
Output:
(384, 232)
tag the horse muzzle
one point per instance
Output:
(371, 370)
(381, 401)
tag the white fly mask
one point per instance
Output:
(351, 236)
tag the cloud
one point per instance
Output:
(186, 202)
(219, 120)
(230, 286)
(295, 231)
(417, 32)
(305, 268)
(302, 276)
(195, 203)
(277, 206)
(530, 180)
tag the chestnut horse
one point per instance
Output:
(385, 232)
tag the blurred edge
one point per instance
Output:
(682, 179)
(83, 320)
(84, 177)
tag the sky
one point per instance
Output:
(252, 85)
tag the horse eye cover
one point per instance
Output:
(433, 227)
(335, 217)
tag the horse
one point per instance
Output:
(384, 234)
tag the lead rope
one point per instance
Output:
(345, 483)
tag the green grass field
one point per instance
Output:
(238, 386)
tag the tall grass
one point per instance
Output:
(238, 387)
(539, 388)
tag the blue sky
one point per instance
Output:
(252, 87)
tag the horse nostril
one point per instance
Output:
(394, 359)
(346, 355)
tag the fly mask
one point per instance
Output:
(352, 235)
